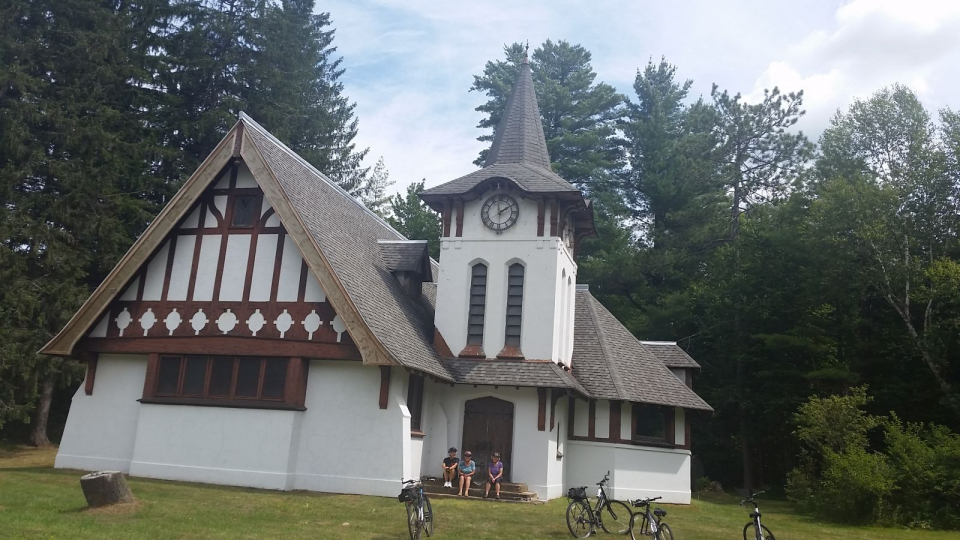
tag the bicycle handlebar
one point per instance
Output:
(751, 498)
(645, 502)
(421, 479)
(606, 478)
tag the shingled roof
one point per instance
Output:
(519, 151)
(671, 354)
(542, 374)
(406, 256)
(611, 364)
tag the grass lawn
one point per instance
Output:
(37, 501)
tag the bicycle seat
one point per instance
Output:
(660, 512)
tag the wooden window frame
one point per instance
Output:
(667, 413)
(293, 396)
(415, 393)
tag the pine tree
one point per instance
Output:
(414, 219)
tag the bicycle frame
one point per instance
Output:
(650, 520)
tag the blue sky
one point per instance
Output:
(409, 64)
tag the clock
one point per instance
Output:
(500, 212)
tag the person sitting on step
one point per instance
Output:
(495, 472)
(450, 465)
(467, 469)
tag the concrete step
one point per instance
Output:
(517, 492)
(504, 486)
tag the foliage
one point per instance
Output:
(414, 219)
(910, 477)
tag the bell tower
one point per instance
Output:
(510, 234)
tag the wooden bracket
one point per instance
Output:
(384, 385)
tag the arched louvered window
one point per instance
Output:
(478, 304)
(514, 305)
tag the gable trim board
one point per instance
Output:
(142, 251)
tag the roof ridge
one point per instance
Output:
(614, 376)
(244, 117)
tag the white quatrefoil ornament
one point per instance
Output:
(256, 322)
(172, 322)
(283, 323)
(198, 321)
(227, 321)
(147, 320)
(123, 320)
(311, 323)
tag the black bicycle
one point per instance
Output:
(612, 516)
(651, 523)
(755, 530)
(419, 511)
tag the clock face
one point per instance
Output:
(500, 212)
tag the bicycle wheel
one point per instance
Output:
(615, 517)
(664, 532)
(427, 516)
(750, 532)
(638, 526)
(413, 521)
(578, 519)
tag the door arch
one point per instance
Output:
(488, 428)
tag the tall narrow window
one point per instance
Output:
(514, 305)
(415, 402)
(478, 304)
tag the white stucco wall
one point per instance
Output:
(544, 259)
(635, 471)
(347, 443)
(240, 447)
(101, 428)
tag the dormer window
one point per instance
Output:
(244, 210)
(477, 309)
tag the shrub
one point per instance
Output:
(855, 487)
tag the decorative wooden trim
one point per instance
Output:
(224, 237)
(195, 260)
(169, 268)
(277, 261)
(554, 217)
(142, 280)
(541, 409)
(252, 259)
(440, 344)
(555, 395)
(384, 386)
(296, 383)
(238, 141)
(571, 410)
(150, 381)
(91, 311)
(670, 426)
(615, 408)
(372, 350)
(686, 430)
(541, 216)
(445, 218)
(302, 288)
(225, 345)
(647, 444)
(592, 422)
(458, 207)
(91, 376)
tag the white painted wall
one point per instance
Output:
(581, 418)
(101, 428)
(544, 259)
(635, 471)
(347, 443)
(217, 445)
(602, 421)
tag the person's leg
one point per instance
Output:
(486, 490)
(466, 490)
(498, 488)
(462, 479)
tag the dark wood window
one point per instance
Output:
(478, 304)
(245, 210)
(226, 380)
(514, 305)
(649, 423)
(415, 402)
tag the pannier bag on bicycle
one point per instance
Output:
(577, 493)
(407, 494)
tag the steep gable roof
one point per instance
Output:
(386, 324)
(671, 354)
(406, 256)
(612, 364)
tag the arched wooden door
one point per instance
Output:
(488, 428)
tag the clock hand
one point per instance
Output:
(502, 211)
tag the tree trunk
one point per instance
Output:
(105, 488)
(38, 428)
(744, 429)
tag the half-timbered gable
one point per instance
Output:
(227, 278)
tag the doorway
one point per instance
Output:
(488, 428)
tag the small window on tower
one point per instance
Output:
(244, 210)
(514, 305)
(478, 302)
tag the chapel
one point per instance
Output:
(267, 330)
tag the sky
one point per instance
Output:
(409, 64)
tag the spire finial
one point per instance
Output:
(526, 51)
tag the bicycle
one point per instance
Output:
(612, 516)
(419, 510)
(652, 522)
(760, 531)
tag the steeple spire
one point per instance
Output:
(519, 137)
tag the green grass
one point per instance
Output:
(37, 501)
